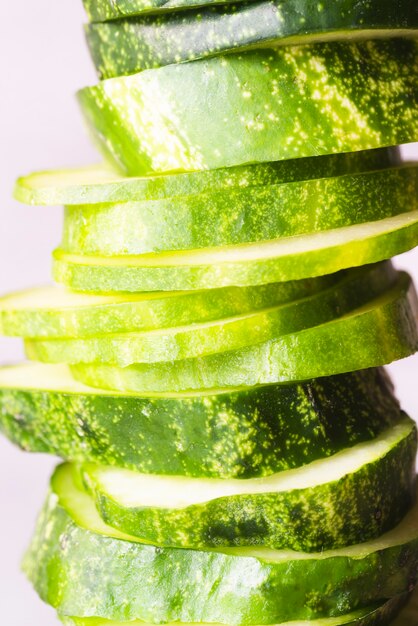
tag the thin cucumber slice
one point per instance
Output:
(349, 498)
(128, 46)
(291, 258)
(102, 10)
(364, 12)
(378, 333)
(100, 184)
(380, 615)
(354, 289)
(236, 434)
(84, 568)
(237, 216)
(55, 312)
(278, 104)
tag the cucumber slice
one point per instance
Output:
(371, 616)
(240, 433)
(102, 10)
(285, 103)
(237, 216)
(99, 184)
(54, 312)
(128, 46)
(364, 12)
(382, 331)
(84, 568)
(354, 288)
(349, 498)
(290, 258)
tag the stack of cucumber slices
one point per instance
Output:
(210, 366)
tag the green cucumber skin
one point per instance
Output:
(128, 46)
(359, 507)
(98, 185)
(236, 216)
(81, 573)
(375, 335)
(243, 434)
(285, 260)
(364, 13)
(377, 616)
(354, 289)
(268, 103)
(166, 311)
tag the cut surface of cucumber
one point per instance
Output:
(84, 568)
(100, 184)
(283, 103)
(354, 289)
(240, 433)
(381, 615)
(378, 333)
(55, 312)
(237, 216)
(128, 46)
(291, 258)
(348, 498)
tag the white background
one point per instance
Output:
(43, 61)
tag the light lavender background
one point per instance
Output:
(43, 61)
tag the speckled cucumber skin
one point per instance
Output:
(240, 434)
(373, 616)
(383, 331)
(269, 103)
(102, 10)
(360, 506)
(82, 573)
(291, 258)
(127, 313)
(236, 216)
(360, 11)
(354, 289)
(100, 184)
(131, 45)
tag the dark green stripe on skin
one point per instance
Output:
(82, 573)
(99, 184)
(128, 46)
(360, 506)
(269, 103)
(241, 434)
(236, 216)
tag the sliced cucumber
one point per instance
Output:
(54, 312)
(348, 498)
(382, 331)
(84, 568)
(354, 289)
(99, 184)
(291, 258)
(372, 616)
(102, 10)
(240, 433)
(237, 216)
(362, 11)
(128, 46)
(285, 103)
